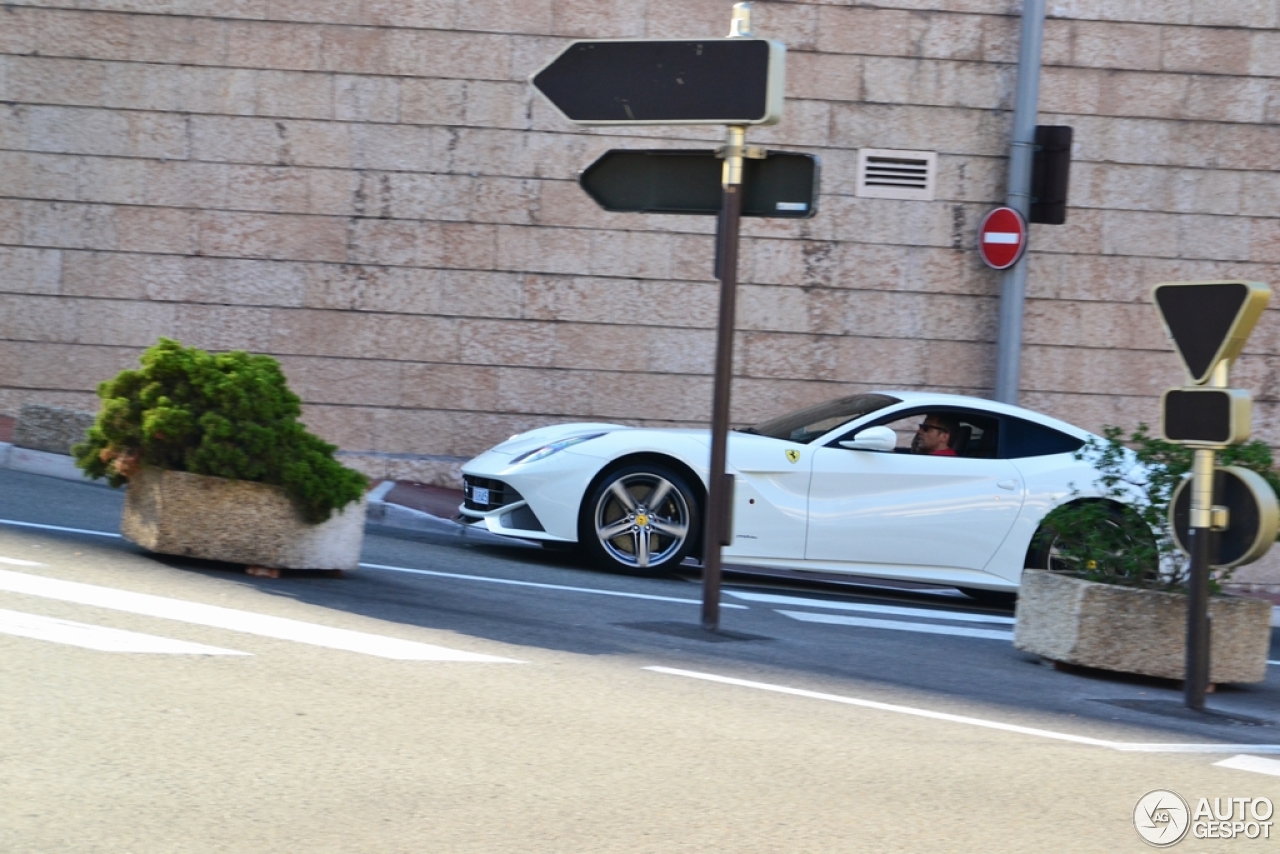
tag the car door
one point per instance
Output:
(903, 509)
(770, 497)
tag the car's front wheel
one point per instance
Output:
(640, 518)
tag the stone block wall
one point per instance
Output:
(371, 192)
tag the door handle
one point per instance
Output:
(1007, 484)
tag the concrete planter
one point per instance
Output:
(1137, 631)
(173, 512)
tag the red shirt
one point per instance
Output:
(944, 452)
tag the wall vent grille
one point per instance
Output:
(887, 174)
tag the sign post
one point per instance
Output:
(737, 82)
(1209, 323)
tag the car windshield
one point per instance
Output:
(808, 424)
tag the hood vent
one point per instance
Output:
(887, 174)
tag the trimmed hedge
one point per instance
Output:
(227, 415)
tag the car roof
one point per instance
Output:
(961, 401)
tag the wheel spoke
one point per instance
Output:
(657, 495)
(670, 528)
(642, 548)
(615, 529)
(619, 491)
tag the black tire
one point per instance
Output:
(618, 528)
(1045, 552)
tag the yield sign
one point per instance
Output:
(1002, 238)
(1209, 322)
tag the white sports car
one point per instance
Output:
(834, 488)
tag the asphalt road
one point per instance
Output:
(458, 697)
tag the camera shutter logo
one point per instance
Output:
(1162, 818)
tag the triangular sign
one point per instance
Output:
(1209, 322)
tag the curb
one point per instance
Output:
(390, 515)
(44, 463)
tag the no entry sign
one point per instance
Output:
(1002, 238)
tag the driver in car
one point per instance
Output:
(934, 435)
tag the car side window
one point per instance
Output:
(905, 428)
(977, 436)
(1025, 439)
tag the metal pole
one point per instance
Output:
(1013, 288)
(1196, 683)
(719, 501)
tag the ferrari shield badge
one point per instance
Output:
(793, 455)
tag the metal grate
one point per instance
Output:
(499, 493)
(887, 174)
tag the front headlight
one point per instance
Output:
(555, 447)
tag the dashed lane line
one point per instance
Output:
(620, 593)
(98, 638)
(217, 617)
(898, 625)
(1125, 746)
(13, 561)
(893, 610)
(1256, 764)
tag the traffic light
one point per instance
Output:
(1206, 416)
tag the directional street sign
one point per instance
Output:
(736, 82)
(1209, 417)
(1002, 238)
(688, 181)
(1252, 518)
(733, 81)
(1209, 321)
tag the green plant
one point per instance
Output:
(228, 415)
(1114, 540)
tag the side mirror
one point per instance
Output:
(872, 439)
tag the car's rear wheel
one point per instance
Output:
(1052, 549)
(640, 518)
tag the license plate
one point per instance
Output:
(479, 495)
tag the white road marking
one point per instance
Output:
(13, 561)
(1256, 764)
(98, 637)
(1126, 746)
(1006, 237)
(230, 619)
(895, 610)
(57, 528)
(649, 596)
(898, 625)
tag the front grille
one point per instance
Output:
(500, 494)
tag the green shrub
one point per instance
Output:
(227, 415)
(1134, 546)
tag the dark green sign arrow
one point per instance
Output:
(684, 181)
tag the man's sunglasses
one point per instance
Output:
(927, 427)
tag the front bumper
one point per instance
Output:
(535, 501)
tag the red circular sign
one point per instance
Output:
(1002, 238)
